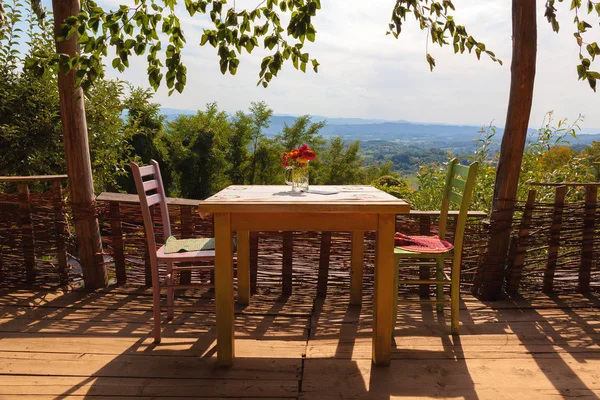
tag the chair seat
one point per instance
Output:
(422, 244)
(406, 253)
(185, 256)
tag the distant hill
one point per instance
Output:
(445, 136)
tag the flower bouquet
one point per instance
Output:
(296, 167)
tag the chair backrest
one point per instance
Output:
(458, 189)
(155, 184)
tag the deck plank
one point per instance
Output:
(98, 345)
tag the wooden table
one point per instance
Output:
(353, 208)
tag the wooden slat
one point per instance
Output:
(559, 204)
(253, 261)
(153, 199)
(243, 267)
(187, 231)
(287, 260)
(516, 269)
(455, 197)
(117, 242)
(458, 183)
(147, 170)
(324, 256)
(150, 185)
(460, 170)
(587, 242)
(424, 270)
(357, 267)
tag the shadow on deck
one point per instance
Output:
(59, 345)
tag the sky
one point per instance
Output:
(365, 73)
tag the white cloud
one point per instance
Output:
(365, 73)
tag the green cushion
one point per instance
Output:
(174, 245)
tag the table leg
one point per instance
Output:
(224, 288)
(356, 267)
(383, 291)
(243, 267)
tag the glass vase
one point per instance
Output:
(296, 175)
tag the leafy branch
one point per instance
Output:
(581, 27)
(434, 17)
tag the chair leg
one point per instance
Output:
(170, 291)
(156, 302)
(395, 298)
(439, 290)
(455, 297)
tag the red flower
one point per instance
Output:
(284, 160)
(309, 155)
(303, 148)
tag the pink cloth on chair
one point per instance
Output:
(422, 244)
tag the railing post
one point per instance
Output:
(424, 270)
(27, 232)
(559, 204)
(187, 231)
(288, 244)
(587, 243)
(516, 269)
(60, 225)
(116, 227)
(324, 255)
(253, 261)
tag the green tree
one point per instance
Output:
(302, 131)
(342, 164)
(237, 155)
(260, 117)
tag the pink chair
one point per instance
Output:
(159, 256)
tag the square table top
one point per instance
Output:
(280, 198)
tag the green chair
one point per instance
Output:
(458, 189)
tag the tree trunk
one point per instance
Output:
(490, 276)
(77, 154)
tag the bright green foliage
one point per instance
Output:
(300, 132)
(30, 124)
(196, 152)
(547, 159)
(237, 155)
(260, 119)
(434, 17)
(393, 185)
(342, 164)
(145, 136)
(581, 26)
(153, 28)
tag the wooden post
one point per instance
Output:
(357, 267)
(490, 275)
(253, 261)
(324, 255)
(516, 269)
(587, 243)
(288, 244)
(77, 155)
(26, 232)
(187, 231)
(559, 203)
(60, 225)
(424, 270)
(117, 242)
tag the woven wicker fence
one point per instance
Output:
(554, 245)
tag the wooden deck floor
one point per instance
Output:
(79, 345)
